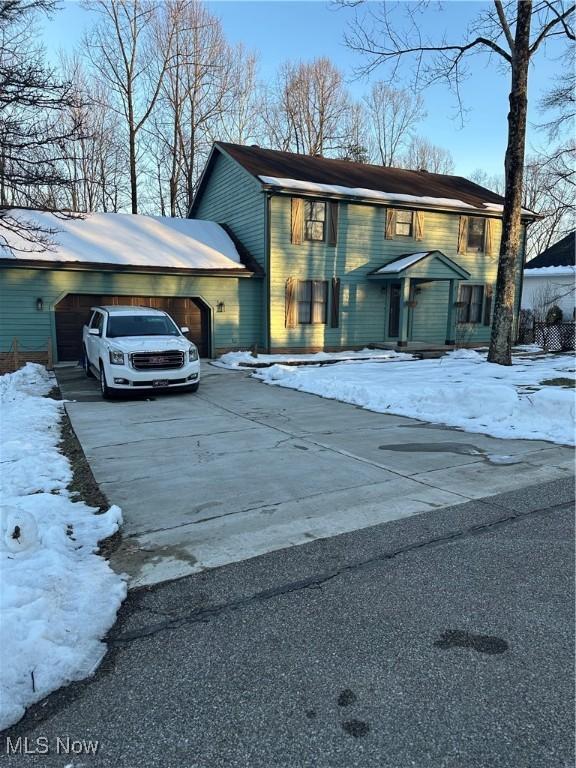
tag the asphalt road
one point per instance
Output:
(443, 639)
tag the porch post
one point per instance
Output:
(403, 314)
(451, 316)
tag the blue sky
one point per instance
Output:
(303, 30)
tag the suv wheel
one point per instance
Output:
(104, 388)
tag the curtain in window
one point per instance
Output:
(390, 223)
(319, 300)
(463, 234)
(476, 299)
(297, 223)
(488, 290)
(464, 297)
(304, 302)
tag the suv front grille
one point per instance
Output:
(157, 361)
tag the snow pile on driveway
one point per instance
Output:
(57, 597)
(460, 389)
(245, 359)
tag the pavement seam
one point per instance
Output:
(203, 615)
(346, 454)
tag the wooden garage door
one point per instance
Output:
(74, 311)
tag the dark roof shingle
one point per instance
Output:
(321, 170)
(561, 254)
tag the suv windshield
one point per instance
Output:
(141, 325)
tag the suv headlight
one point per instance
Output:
(116, 357)
(192, 354)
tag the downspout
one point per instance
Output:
(267, 261)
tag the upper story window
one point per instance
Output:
(314, 220)
(476, 234)
(404, 223)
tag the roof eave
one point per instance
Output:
(92, 266)
(273, 189)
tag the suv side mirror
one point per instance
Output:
(185, 329)
(94, 331)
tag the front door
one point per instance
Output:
(394, 311)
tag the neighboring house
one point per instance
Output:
(355, 254)
(550, 279)
(192, 269)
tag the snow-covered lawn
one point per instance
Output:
(245, 359)
(57, 597)
(460, 389)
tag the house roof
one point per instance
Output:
(320, 175)
(561, 254)
(123, 240)
(403, 265)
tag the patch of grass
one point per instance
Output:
(83, 482)
(561, 381)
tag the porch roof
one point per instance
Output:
(424, 265)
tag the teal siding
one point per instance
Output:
(361, 248)
(237, 327)
(231, 196)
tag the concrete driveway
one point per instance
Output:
(241, 468)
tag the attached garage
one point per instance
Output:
(195, 270)
(73, 311)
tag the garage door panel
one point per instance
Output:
(74, 310)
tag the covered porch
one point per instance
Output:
(403, 279)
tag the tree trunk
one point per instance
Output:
(511, 257)
(133, 182)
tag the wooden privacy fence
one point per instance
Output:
(19, 354)
(557, 337)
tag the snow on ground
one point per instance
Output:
(460, 389)
(245, 359)
(57, 597)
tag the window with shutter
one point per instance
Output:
(404, 223)
(471, 299)
(476, 236)
(314, 220)
(312, 297)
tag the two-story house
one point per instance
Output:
(355, 254)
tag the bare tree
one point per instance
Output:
(393, 115)
(197, 94)
(357, 141)
(239, 121)
(307, 109)
(97, 160)
(34, 137)
(514, 32)
(422, 155)
(119, 48)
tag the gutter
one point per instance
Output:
(274, 190)
(86, 266)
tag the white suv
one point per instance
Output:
(137, 348)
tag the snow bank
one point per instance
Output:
(127, 239)
(245, 359)
(57, 597)
(460, 390)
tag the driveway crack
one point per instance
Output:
(318, 581)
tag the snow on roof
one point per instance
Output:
(400, 264)
(560, 271)
(126, 239)
(372, 194)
